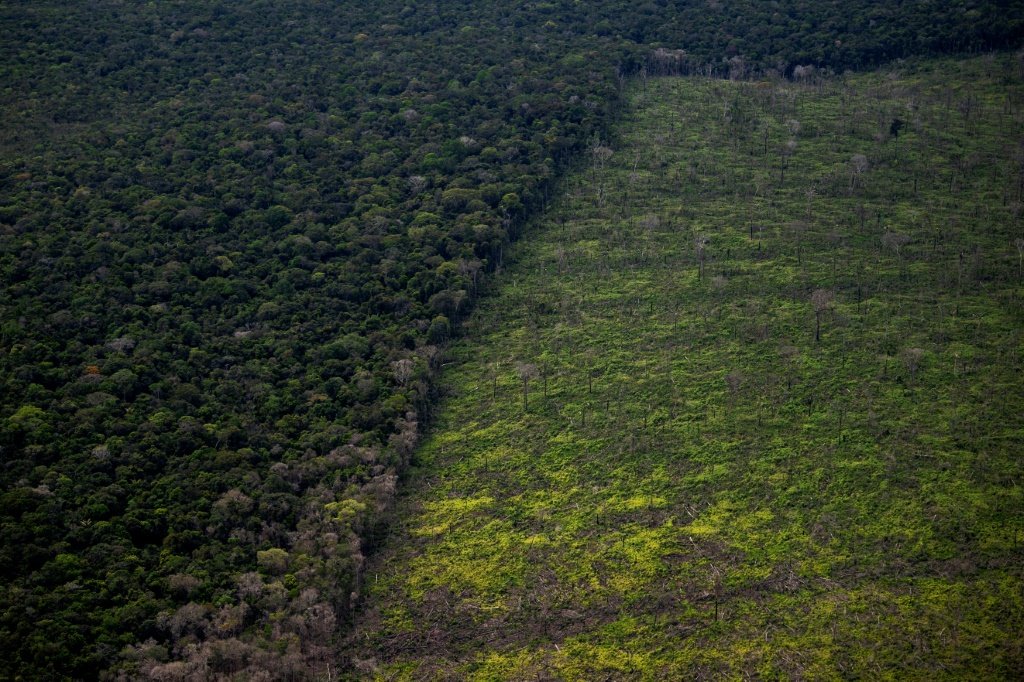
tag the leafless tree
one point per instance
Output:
(417, 183)
(803, 73)
(190, 618)
(858, 166)
(665, 62)
(737, 68)
(896, 242)
(600, 154)
(183, 584)
(402, 370)
(526, 371)
(492, 373)
(821, 301)
(471, 268)
(796, 229)
(1019, 243)
(787, 151)
(650, 223)
(700, 243)
(809, 194)
(250, 586)
(734, 380)
(912, 359)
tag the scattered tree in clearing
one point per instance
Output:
(912, 359)
(700, 244)
(858, 166)
(896, 241)
(600, 155)
(526, 371)
(787, 151)
(1019, 243)
(821, 301)
(797, 228)
(803, 73)
(734, 381)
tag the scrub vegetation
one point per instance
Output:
(747, 403)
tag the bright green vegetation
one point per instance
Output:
(698, 487)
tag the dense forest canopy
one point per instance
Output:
(234, 237)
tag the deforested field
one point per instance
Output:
(747, 403)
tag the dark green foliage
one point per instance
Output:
(222, 224)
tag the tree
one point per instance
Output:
(803, 73)
(894, 130)
(526, 371)
(417, 183)
(274, 560)
(787, 151)
(858, 166)
(492, 371)
(403, 370)
(895, 241)
(797, 228)
(700, 243)
(1019, 243)
(734, 381)
(912, 359)
(821, 301)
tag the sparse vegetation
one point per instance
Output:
(738, 493)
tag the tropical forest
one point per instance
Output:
(538, 340)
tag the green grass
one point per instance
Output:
(703, 489)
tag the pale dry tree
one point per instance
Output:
(859, 165)
(600, 154)
(526, 371)
(417, 183)
(402, 370)
(895, 241)
(821, 301)
(912, 359)
(700, 244)
(1019, 243)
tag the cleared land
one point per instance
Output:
(747, 404)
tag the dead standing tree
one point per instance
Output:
(821, 301)
(700, 244)
(600, 155)
(895, 242)
(526, 371)
(403, 370)
(784, 155)
(1019, 243)
(912, 359)
(858, 166)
